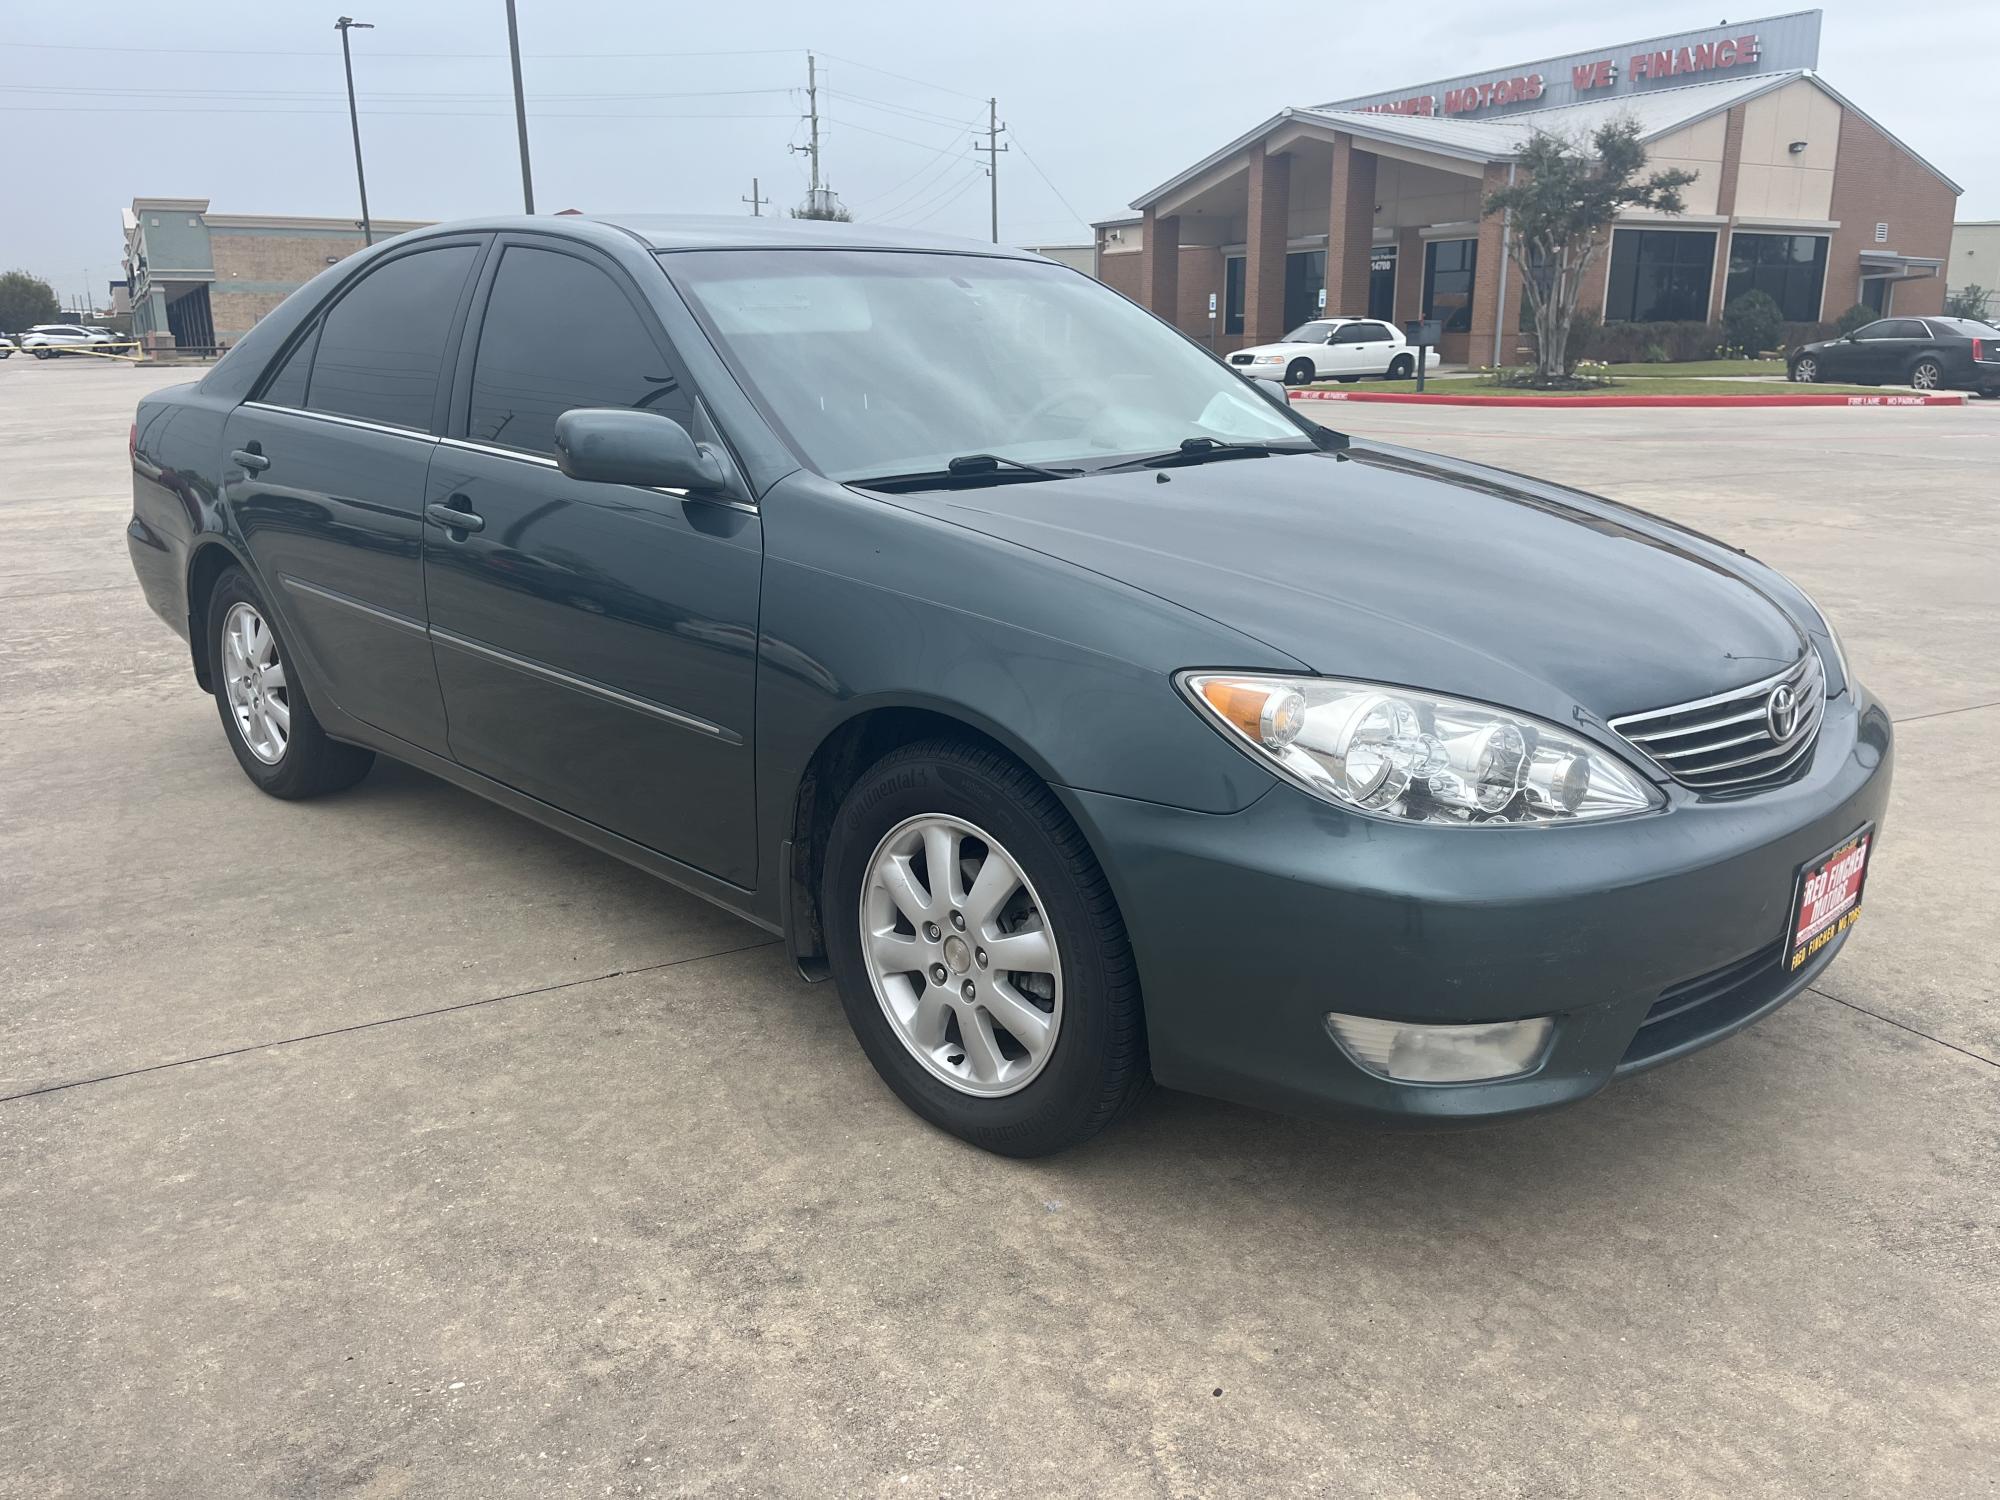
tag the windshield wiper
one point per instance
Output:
(1198, 450)
(966, 471)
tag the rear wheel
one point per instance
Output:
(1805, 369)
(1300, 372)
(277, 739)
(1402, 367)
(1927, 374)
(978, 952)
(42, 351)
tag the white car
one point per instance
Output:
(1334, 348)
(46, 340)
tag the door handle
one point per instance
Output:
(249, 459)
(453, 519)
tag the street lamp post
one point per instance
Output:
(520, 110)
(343, 26)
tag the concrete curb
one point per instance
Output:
(1950, 398)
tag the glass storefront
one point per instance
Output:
(1660, 276)
(1789, 268)
(1449, 266)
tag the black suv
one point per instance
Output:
(1928, 353)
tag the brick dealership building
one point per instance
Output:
(198, 280)
(1371, 206)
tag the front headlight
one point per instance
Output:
(1269, 359)
(1398, 754)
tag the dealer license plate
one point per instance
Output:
(1828, 900)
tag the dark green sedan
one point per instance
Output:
(1083, 713)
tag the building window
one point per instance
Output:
(1790, 269)
(1448, 270)
(1305, 286)
(1382, 283)
(1660, 276)
(1232, 294)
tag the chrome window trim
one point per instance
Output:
(339, 421)
(584, 685)
(360, 606)
(467, 445)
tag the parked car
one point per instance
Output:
(6, 345)
(1081, 711)
(1929, 353)
(1334, 348)
(47, 340)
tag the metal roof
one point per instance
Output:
(1658, 113)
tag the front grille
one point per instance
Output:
(1241, 359)
(1730, 741)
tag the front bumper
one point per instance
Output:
(1647, 938)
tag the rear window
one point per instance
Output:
(1970, 328)
(382, 346)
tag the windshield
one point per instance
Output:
(1309, 333)
(880, 362)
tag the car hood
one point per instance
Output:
(1403, 567)
(1277, 349)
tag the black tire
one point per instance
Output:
(1097, 1066)
(1927, 374)
(42, 351)
(1300, 372)
(1402, 367)
(1805, 370)
(311, 764)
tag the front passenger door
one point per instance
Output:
(596, 643)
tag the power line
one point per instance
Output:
(907, 195)
(1045, 178)
(947, 190)
(314, 52)
(414, 94)
(923, 83)
(929, 116)
(940, 208)
(938, 159)
(416, 114)
(887, 135)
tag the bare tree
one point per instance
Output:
(1563, 201)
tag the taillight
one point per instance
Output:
(1978, 349)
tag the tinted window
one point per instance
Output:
(382, 346)
(1788, 268)
(1908, 328)
(558, 334)
(1886, 329)
(288, 386)
(1659, 276)
(1449, 266)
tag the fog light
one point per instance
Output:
(1442, 1054)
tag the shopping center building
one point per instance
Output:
(200, 280)
(1371, 206)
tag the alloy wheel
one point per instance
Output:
(1926, 376)
(253, 676)
(1806, 371)
(960, 954)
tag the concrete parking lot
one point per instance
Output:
(390, 1145)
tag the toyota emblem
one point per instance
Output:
(1781, 712)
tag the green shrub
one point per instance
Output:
(1855, 316)
(1755, 322)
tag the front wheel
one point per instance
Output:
(277, 739)
(978, 952)
(42, 352)
(1300, 372)
(1805, 369)
(1402, 367)
(1927, 374)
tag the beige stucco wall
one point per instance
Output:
(1774, 183)
(1409, 195)
(1697, 149)
(1975, 261)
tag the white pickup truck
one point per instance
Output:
(1334, 349)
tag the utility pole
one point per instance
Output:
(756, 203)
(993, 148)
(812, 115)
(520, 110)
(344, 25)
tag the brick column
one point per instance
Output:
(1409, 275)
(1350, 229)
(1265, 233)
(1159, 273)
(1725, 204)
(1487, 279)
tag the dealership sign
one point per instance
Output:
(1773, 45)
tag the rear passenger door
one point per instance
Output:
(596, 643)
(324, 473)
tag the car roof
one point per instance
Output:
(669, 232)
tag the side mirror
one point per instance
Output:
(614, 445)
(1272, 391)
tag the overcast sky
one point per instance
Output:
(101, 101)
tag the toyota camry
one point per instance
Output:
(1084, 715)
